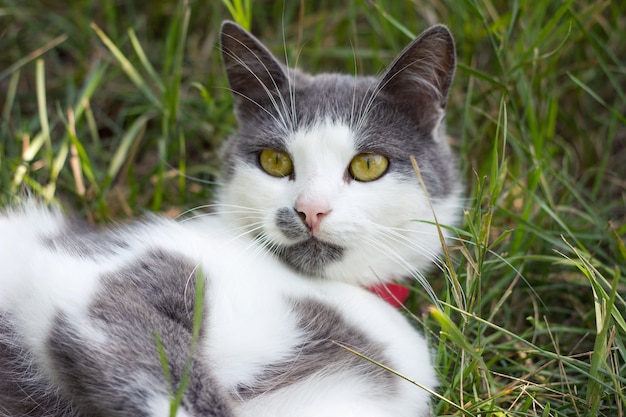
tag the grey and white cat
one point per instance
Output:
(319, 200)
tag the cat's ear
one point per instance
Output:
(420, 77)
(252, 70)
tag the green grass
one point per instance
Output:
(104, 104)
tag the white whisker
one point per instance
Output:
(410, 269)
(192, 178)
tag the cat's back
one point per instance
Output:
(32, 230)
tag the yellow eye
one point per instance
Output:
(368, 166)
(276, 163)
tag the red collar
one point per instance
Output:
(394, 294)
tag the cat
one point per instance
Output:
(318, 201)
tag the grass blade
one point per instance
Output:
(127, 67)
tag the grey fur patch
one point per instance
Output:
(310, 256)
(152, 296)
(24, 391)
(320, 352)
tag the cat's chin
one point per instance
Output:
(311, 256)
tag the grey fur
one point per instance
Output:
(324, 331)
(85, 241)
(24, 391)
(152, 296)
(310, 256)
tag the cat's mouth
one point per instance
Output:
(311, 256)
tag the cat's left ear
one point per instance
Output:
(419, 79)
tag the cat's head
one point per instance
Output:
(320, 168)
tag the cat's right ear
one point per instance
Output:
(253, 72)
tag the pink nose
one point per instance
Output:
(312, 213)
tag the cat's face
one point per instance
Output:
(320, 169)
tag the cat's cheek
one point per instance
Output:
(253, 204)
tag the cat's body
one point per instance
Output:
(283, 259)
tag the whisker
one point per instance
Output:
(354, 89)
(193, 210)
(192, 178)
(406, 265)
(261, 246)
(199, 215)
(291, 78)
(261, 107)
(400, 235)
